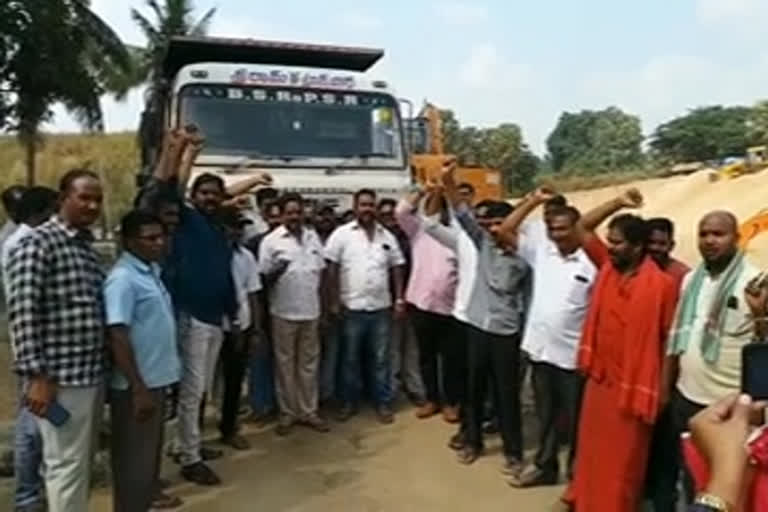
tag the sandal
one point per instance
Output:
(165, 501)
(199, 473)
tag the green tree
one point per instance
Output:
(596, 141)
(57, 51)
(757, 123)
(705, 133)
(172, 18)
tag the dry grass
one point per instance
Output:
(575, 182)
(113, 156)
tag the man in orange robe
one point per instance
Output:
(621, 354)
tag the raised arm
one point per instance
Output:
(195, 143)
(406, 212)
(524, 208)
(631, 198)
(261, 179)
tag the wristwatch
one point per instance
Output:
(710, 503)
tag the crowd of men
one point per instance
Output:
(451, 302)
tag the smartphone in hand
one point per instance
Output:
(754, 371)
(57, 414)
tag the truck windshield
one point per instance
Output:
(293, 123)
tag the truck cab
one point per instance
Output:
(308, 114)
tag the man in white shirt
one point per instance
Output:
(562, 286)
(241, 331)
(713, 324)
(362, 256)
(36, 206)
(291, 259)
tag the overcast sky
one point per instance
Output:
(523, 61)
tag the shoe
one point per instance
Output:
(237, 442)
(345, 413)
(427, 410)
(451, 414)
(163, 501)
(207, 453)
(512, 467)
(200, 474)
(261, 419)
(317, 424)
(385, 414)
(416, 400)
(468, 455)
(532, 476)
(490, 427)
(284, 426)
(456, 442)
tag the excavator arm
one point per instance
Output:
(753, 227)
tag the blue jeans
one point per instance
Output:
(261, 383)
(367, 333)
(329, 362)
(27, 459)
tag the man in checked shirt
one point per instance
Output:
(55, 314)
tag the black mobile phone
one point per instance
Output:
(754, 370)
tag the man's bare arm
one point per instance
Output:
(593, 218)
(244, 186)
(513, 221)
(122, 353)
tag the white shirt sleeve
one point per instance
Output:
(253, 277)
(334, 246)
(396, 257)
(266, 255)
(447, 236)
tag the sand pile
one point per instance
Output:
(685, 199)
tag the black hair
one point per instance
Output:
(266, 194)
(387, 201)
(11, 198)
(268, 205)
(326, 210)
(633, 228)
(290, 197)
(662, 224)
(499, 209)
(206, 178)
(364, 192)
(467, 186)
(71, 176)
(565, 211)
(133, 221)
(558, 201)
(484, 204)
(37, 201)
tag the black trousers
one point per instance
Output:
(498, 357)
(556, 391)
(234, 361)
(666, 458)
(442, 356)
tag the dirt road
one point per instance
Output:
(359, 467)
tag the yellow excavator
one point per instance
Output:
(755, 160)
(428, 155)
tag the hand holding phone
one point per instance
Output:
(754, 371)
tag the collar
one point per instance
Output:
(553, 250)
(133, 261)
(284, 233)
(377, 228)
(72, 232)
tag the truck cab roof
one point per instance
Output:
(185, 50)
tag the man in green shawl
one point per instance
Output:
(714, 321)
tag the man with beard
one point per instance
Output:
(713, 324)
(621, 354)
(661, 243)
(362, 258)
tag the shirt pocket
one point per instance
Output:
(580, 288)
(737, 320)
(504, 274)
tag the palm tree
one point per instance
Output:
(61, 52)
(173, 18)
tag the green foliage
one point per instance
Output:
(172, 18)
(55, 51)
(705, 133)
(500, 147)
(757, 123)
(593, 142)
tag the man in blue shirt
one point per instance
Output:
(141, 333)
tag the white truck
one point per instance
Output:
(308, 114)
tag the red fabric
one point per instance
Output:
(757, 499)
(625, 333)
(677, 270)
(612, 454)
(621, 352)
